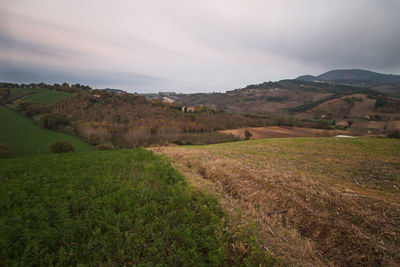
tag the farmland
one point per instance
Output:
(317, 201)
(280, 131)
(27, 138)
(38, 95)
(112, 208)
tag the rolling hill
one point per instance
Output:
(273, 97)
(353, 76)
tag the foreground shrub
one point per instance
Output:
(5, 151)
(61, 147)
(105, 147)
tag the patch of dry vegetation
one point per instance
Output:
(317, 201)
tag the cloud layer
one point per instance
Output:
(193, 45)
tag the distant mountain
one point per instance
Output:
(308, 78)
(352, 76)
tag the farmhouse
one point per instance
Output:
(187, 109)
(167, 100)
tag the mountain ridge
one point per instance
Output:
(352, 75)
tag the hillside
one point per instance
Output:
(353, 76)
(40, 95)
(270, 97)
(317, 201)
(114, 208)
(130, 120)
(27, 138)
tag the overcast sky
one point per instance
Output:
(193, 46)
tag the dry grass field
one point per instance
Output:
(316, 201)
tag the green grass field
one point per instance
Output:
(112, 208)
(40, 95)
(27, 138)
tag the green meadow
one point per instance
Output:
(112, 208)
(38, 95)
(27, 138)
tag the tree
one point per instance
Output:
(247, 134)
(4, 93)
(53, 121)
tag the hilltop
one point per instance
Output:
(353, 76)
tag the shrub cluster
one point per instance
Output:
(5, 151)
(394, 134)
(61, 147)
(53, 121)
(105, 147)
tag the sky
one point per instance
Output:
(193, 46)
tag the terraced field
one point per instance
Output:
(317, 201)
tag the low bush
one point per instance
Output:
(5, 151)
(31, 109)
(394, 134)
(61, 147)
(105, 147)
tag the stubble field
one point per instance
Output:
(316, 201)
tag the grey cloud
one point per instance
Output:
(331, 33)
(13, 44)
(212, 44)
(364, 36)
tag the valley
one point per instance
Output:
(257, 176)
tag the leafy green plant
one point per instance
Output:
(114, 208)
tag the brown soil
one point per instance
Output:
(280, 132)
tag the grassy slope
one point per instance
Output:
(41, 95)
(26, 138)
(112, 208)
(318, 201)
